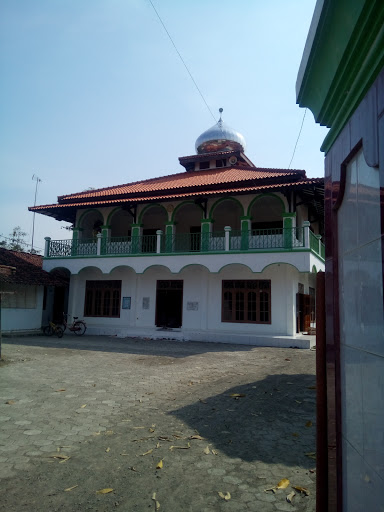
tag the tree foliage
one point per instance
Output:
(16, 241)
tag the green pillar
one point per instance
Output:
(289, 229)
(206, 230)
(76, 236)
(137, 231)
(105, 236)
(169, 236)
(245, 232)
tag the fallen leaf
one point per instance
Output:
(137, 427)
(157, 504)
(154, 425)
(70, 488)
(65, 460)
(301, 489)
(226, 496)
(197, 437)
(308, 424)
(287, 359)
(109, 433)
(126, 454)
(295, 434)
(290, 496)
(237, 395)
(104, 491)
(215, 452)
(148, 452)
(202, 401)
(59, 456)
(108, 450)
(82, 407)
(58, 390)
(96, 433)
(177, 436)
(273, 489)
(163, 438)
(133, 468)
(311, 387)
(10, 402)
(283, 484)
(311, 455)
(159, 465)
(151, 429)
(180, 447)
(158, 445)
(298, 402)
(207, 451)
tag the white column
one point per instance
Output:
(227, 231)
(98, 236)
(306, 225)
(158, 241)
(46, 247)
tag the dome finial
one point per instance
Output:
(221, 111)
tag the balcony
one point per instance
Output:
(227, 241)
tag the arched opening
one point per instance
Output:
(188, 228)
(153, 219)
(120, 223)
(90, 225)
(227, 213)
(267, 213)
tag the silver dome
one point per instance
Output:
(219, 137)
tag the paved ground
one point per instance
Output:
(117, 408)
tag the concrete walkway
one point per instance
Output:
(78, 415)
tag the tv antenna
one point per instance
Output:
(38, 180)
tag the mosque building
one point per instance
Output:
(223, 251)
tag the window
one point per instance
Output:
(102, 298)
(221, 163)
(204, 165)
(247, 301)
(18, 296)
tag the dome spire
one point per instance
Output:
(219, 137)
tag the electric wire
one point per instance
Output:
(20, 242)
(182, 60)
(298, 137)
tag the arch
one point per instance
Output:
(148, 207)
(181, 205)
(158, 267)
(122, 267)
(194, 265)
(90, 222)
(280, 263)
(90, 267)
(86, 212)
(237, 264)
(261, 196)
(216, 203)
(224, 214)
(119, 221)
(61, 272)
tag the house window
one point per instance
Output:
(247, 301)
(204, 165)
(102, 298)
(18, 296)
(221, 163)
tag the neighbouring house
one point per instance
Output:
(224, 251)
(30, 296)
(341, 79)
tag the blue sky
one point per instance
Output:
(93, 93)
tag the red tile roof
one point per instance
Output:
(187, 180)
(28, 269)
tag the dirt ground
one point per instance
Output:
(185, 421)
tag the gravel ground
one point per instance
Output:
(80, 415)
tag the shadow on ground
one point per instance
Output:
(272, 423)
(140, 346)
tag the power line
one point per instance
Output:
(182, 60)
(21, 242)
(298, 137)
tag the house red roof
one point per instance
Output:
(184, 180)
(23, 268)
(205, 183)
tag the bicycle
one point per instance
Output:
(77, 326)
(52, 328)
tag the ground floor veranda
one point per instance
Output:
(234, 305)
